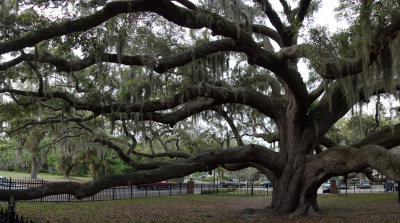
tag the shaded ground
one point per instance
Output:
(382, 207)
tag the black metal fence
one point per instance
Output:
(128, 192)
(9, 216)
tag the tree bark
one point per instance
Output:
(34, 169)
(297, 140)
(68, 171)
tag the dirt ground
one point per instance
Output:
(383, 207)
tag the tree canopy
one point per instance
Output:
(176, 87)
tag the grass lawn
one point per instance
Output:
(44, 176)
(382, 207)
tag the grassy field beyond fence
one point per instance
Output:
(41, 176)
(378, 207)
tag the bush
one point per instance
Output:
(43, 170)
(219, 191)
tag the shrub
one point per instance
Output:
(219, 191)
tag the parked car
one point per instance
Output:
(326, 188)
(266, 184)
(6, 184)
(364, 184)
(156, 185)
(232, 183)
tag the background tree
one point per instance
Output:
(126, 71)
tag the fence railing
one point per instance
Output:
(128, 192)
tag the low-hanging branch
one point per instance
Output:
(204, 161)
(340, 160)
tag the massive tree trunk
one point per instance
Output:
(297, 140)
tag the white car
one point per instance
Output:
(5, 184)
(364, 184)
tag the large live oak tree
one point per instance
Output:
(99, 81)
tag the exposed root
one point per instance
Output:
(305, 210)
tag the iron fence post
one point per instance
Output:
(113, 192)
(131, 190)
(146, 190)
(267, 190)
(252, 189)
(180, 188)
(9, 186)
(41, 199)
(69, 195)
(201, 188)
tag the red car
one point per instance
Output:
(155, 185)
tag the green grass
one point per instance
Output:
(382, 207)
(44, 176)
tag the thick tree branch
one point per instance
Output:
(220, 95)
(335, 105)
(183, 17)
(334, 68)
(303, 10)
(264, 30)
(203, 161)
(287, 10)
(274, 19)
(388, 137)
(188, 4)
(82, 24)
(314, 95)
(342, 160)
(327, 142)
(158, 65)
